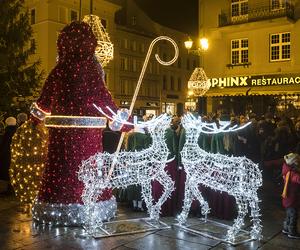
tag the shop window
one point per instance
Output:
(73, 15)
(239, 10)
(32, 16)
(280, 47)
(239, 51)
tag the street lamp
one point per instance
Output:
(198, 83)
(203, 46)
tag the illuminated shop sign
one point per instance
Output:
(251, 81)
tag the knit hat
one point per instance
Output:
(10, 121)
(22, 117)
(292, 158)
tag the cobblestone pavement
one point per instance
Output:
(17, 231)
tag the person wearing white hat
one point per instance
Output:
(290, 194)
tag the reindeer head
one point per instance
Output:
(191, 122)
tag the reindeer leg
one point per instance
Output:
(166, 181)
(239, 221)
(89, 198)
(147, 196)
(256, 227)
(204, 205)
(188, 199)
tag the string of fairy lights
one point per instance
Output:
(130, 168)
(238, 176)
(28, 156)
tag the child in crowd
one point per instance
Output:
(291, 176)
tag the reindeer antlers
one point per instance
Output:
(210, 128)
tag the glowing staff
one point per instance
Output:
(140, 81)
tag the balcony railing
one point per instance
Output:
(257, 14)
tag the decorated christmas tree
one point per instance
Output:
(19, 74)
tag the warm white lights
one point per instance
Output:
(188, 44)
(130, 168)
(198, 83)
(105, 50)
(203, 43)
(238, 176)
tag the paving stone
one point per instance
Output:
(154, 241)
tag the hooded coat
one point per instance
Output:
(71, 88)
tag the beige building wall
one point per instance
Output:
(131, 31)
(217, 60)
(52, 16)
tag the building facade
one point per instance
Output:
(164, 88)
(253, 61)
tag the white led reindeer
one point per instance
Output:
(238, 176)
(129, 168)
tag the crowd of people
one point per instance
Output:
(267, 141)
(9, 128)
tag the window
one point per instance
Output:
(62, 14)
(124, 63)
(239, 9)
(32, 16)
(104, 23)
(187, 64)
(133, 20)
(179, 62)
(280, 47)
(125, 43)
(278, 4)
(142, 47)
(32, 44)
(164, 83)
(179, 84)
(194, 64)
(134, 65)
(73, 15)
(239, 51)
(172, 83)
(133, 45)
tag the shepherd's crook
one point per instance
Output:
(140, 82)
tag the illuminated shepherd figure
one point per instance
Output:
(104, 170)
(238, 176)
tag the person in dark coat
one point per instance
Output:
(137, 140)
(290, 194)
(5, 154)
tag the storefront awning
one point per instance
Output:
(261, 90)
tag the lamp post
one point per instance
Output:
(203, 46)
(198, 83)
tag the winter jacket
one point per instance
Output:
(293, 187)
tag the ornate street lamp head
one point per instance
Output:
(198, 82)
(105, 50)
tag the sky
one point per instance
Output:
(177, 14)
